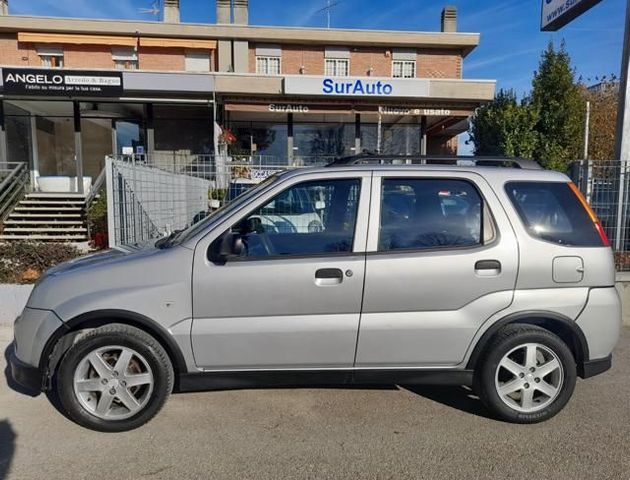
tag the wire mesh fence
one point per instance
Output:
(152, 196)
(605, 186)
(149, 197)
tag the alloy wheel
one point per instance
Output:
(529, 377)
(113, 382)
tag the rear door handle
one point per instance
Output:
(488, 267)
(328, 276)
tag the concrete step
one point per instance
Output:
(47, 215)
(62, 202)
(48, 209)
(49, 221)
(70, 230)
(45, 196)
(57, 238)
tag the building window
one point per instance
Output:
(125, 58)
(197, 62)
(51, 57)
(404, 69)
(337, 67)
(268, 65)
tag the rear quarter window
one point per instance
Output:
(552, 212)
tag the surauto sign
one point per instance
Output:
(47, 82)
(356, 87)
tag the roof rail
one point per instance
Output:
(375, 159)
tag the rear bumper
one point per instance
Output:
(24, 374)
(595, 367)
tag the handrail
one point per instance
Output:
(12, 187)
(96, 188)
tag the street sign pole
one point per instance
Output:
(622, 144)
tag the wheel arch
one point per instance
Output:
(561, 325)
(51, 354)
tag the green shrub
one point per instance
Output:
(97, 222)
(24, 262)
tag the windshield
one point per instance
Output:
(244, 197)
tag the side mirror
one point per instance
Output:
(226, 246)
(320, 205)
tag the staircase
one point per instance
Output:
(56, 217)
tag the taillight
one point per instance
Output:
(591, 214)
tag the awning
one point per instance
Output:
(178, 43)
(63, 38)
(285, 106)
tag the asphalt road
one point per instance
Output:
(394, 433)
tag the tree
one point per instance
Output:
(504, 127)
(561, 109)
(604, 98)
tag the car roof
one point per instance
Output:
(491, 174)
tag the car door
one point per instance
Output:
(292, 298)
(442, 258)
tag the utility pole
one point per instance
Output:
(622, 144)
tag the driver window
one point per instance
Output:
(311, 218)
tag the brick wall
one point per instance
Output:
(164, 59)
(294, 56)
(88, 56)
(438, 64)
(362, 58)
(430, 63)
(11, 53)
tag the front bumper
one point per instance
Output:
(24, 374)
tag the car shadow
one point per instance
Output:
(459, 398)
(7, 448)
(11, 383)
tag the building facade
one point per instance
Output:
(73, 91)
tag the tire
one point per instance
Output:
(123, 391)
(527, 374)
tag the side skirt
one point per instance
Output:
(206, 381)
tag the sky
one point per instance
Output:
(511, 41)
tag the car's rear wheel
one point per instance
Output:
(114, 378)
(528, 374)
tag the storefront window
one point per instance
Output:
(267, 140)
(110, 128)
(52, 125)
(396, 139)
(314, 142)
(186, 129)
(18, 133)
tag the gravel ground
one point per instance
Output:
(386, 433)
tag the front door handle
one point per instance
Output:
(488, 267)
(328, 276)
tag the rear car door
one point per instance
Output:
(442, 258)
(292, 299)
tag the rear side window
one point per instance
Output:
(551, 211)
(429, 213)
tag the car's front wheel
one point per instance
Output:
(114, 378)
(528, 374)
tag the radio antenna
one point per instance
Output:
(330, 4)
(155, 10)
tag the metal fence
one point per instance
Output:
(151, 196)
(605, 186)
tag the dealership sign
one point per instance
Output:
(22, 81)
(356, 87)
(557, 13)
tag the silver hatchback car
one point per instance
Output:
(501, 279)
